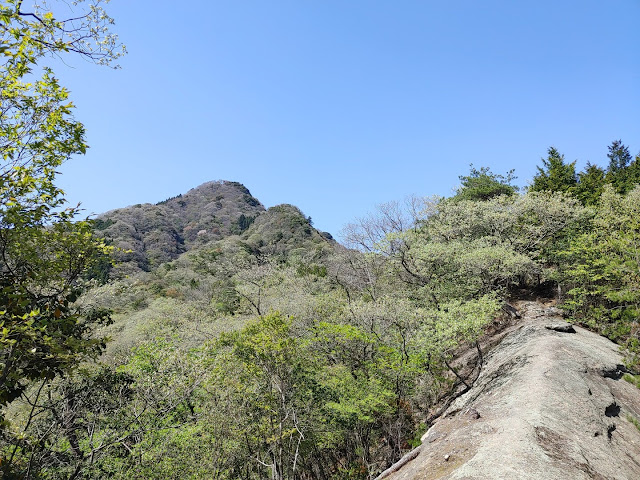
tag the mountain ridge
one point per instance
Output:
(148, 235)
(549, 404)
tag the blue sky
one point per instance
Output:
(336, 106)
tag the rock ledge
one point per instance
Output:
(547, 406)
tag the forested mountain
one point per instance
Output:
(246, 337)
(148, 235)
(209, 337)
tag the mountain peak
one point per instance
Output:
(149, 235)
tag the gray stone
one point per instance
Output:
(563, 327)
(553, 408)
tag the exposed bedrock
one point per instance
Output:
(549, 404)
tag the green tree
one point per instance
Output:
(69, 425)
(619, 157)
(632, 177)
(467, 248)
(590, 185)
(600, 268)
(555, 175)
(481, 185)
(618, 168)
(273, 391)
(31, 30)
(43, 252)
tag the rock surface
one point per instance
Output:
(547, 405)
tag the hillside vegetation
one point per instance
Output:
(244, 343)
(549, 404)
(209, 337)
(149, 235)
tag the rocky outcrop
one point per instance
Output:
(550, 403)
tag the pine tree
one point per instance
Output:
(555, 175)
(591, 182)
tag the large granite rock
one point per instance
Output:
(548, 405)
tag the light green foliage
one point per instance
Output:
(31, 30)
(481, 185)
(528, 222)
(461, 269)
(273, 393)
(465, 248)
(122, 423)
(42, 332)
(456, 323)
(69, 426)
(303, 395)
(634, 421)
(632, 379)
(45, 254)
(289, 393)
(601, 270)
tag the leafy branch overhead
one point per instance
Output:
(44, 252)
(32, 30)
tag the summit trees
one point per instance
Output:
(483, 184)
(555, 175)
(622, 172)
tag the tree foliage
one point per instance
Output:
(44, 253)
(600, 268)
(554, 175)
(590, 184)
(483, 184)
(622, 172)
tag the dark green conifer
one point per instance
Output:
(555, 175)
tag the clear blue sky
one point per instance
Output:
(336, 106)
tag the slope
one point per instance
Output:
(149, 235)
(549, 404)
(204, 262)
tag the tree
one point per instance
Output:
(554, 175)
(619, 157)
(273, 390)
(601, 269)
(28, 35)
(43, 252)
(590, 185)
(481, 185)
(68, 425)
(623, 172)
(632, 177)
(469, 248)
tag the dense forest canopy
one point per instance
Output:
(273, 351)
(208, 337)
